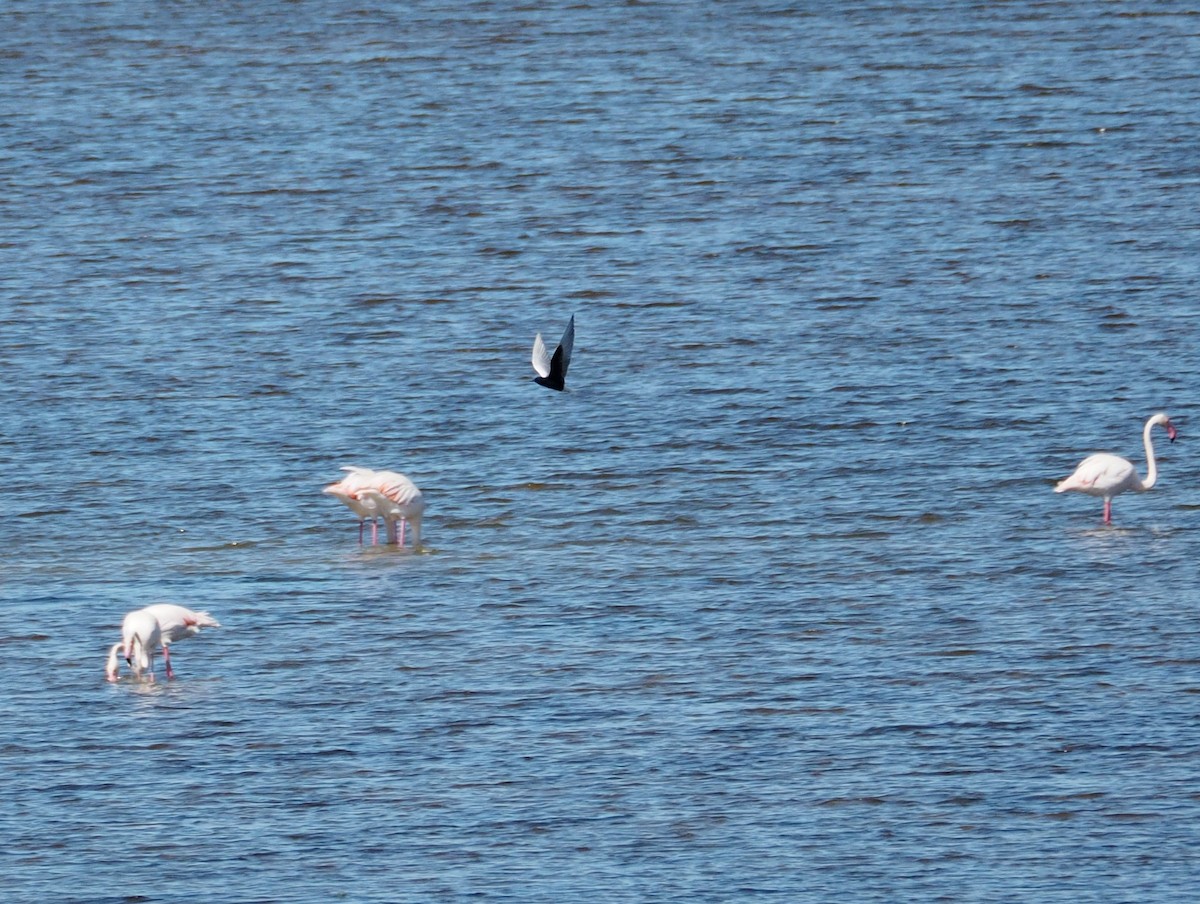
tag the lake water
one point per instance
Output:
(775, 603)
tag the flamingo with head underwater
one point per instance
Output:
(140, 637)
(1107, 475)
(155, 627)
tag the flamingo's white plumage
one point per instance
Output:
(140, 637)
(175, 623)
(1108, 475)
(155, 627)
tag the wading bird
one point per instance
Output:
(155, 627)
(1108, 475)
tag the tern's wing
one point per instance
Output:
(566, 344)
(541, 360)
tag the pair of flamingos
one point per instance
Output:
(369, 494)
(381, 494)
(1108, 475)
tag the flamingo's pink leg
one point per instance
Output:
(360, 531)
(402, 522)
(167, 660)
(1108, 511)
(374, 532)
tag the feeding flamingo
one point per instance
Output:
(1108, 475)
(347, 491)
(154, 627)
(140, 636)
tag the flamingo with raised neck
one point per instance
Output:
(1107, 475)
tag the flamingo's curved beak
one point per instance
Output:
(1171, 431)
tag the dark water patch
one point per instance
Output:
(652, 304)
(854, 802)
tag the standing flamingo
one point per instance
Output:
(348, 489)
(1108, 475)
(140, 636)
(399, 501)
(176, 623)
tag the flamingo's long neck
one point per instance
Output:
(110, 668)
(1151, 464)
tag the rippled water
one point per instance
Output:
(775, 602)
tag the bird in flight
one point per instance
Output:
(552, 372)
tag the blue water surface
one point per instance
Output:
(776, 602)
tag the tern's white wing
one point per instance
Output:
(541, 360)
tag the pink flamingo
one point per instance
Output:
(1108, 475)
(155, 627)
(381, 494)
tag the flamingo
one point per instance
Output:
(1108, 475)
(347, 491)
(140, 635)
(176, 623)
(552, 373)
(398, 500)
